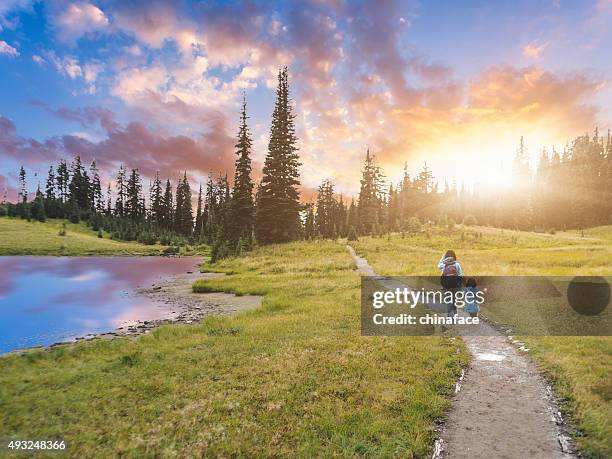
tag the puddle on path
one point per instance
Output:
(490, 357)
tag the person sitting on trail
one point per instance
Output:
(451, 277)
(471, 306)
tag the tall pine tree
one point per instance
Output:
(241, 208)
(121, 193)
(183, 214)
(277, 216)
(63, 179)
(168, 207)
(50, 186)
(134, 207)
(23, 188)
(97, 202)
(369, 196)
(157, 202)
(326, 210)
(198, 230)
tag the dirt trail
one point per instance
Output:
(503, 407)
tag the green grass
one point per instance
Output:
(579, 367)
(291, 378)
(20, 237)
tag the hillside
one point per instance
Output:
(20, 237)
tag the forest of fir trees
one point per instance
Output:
(567, 190)
(230, 219)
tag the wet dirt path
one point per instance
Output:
(503, 407)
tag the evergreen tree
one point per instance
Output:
(63, 179)
(50, 185)
(120, 202)
(223, 205)
(369, 195)
(241, 209)
(424, 181)
(109, 204)
(37, 208)
(198, 230)
(352, 217)
(96, 201)
(209, 215)
(340, 216)
(134, 207)
(326, 210)
(80, 186)
(309, 223)
(278, 206)
(168, 207)
(53, 207)
(183, 214)
(393, 210)
(541, 193)
(519, 211)
(607, 174)
(23, 188)
(157, 202)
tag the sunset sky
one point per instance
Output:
(157, 85)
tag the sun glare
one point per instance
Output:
(477, 168)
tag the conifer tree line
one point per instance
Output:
(229, 219)
(567, 190)
(571, 189)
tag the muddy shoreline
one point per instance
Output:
(176, 303)
(182, 306)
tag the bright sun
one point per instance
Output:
(484, 168)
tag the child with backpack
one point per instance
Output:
(471, 306)
(451, 277)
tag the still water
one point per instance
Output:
(44, 300)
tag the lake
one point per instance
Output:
(44, 300)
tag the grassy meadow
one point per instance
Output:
(20, 237)
(579, 367)
(292, 378)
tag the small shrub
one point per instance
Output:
(414, 225)
(62, 230)
(171, 250)
(352, 234)
(470, 220)
(100, 235)
(552, 231)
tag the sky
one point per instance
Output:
(158, 85)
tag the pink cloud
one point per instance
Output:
(151, 22)
(8, 50)
(533, 93)
(533, 50)
(23, 150)
(138, 147)
(135, 145)
(74, 20)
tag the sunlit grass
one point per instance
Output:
(291, 378)
(579, 367)
(20, 237)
